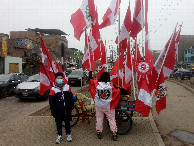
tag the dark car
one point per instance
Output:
(76, 77)
(30, 89)
(8, 82)
(182, 74)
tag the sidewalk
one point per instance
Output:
(35, 131)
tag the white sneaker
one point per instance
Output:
(59, 137)
(69, 138)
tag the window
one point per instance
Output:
(189, 51)
(185, 51)
(185, 59)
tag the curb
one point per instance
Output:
(155, 130)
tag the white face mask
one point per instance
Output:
(59, 81)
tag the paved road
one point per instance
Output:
(12, 107)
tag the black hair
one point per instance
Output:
(59, 74)
(105, 77)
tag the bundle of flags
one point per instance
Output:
(48, 69)
(150, 76)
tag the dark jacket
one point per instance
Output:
(61, 104)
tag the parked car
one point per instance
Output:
(76, 77)
(182, 74)
(8, 82)
(30, 89)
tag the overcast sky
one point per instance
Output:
(18, 15)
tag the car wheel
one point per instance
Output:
(4, 92)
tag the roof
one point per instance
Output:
(49, 31)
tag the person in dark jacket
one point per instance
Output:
(61, 103)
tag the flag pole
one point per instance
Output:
(88, 51)
(142, 26)
(118, 53)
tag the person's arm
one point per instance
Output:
(52, 103)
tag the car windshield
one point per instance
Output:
(5, 78)
(77, 72)
(34, 78)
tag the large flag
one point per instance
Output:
(104, 94)
(125, 29)
(138, 18)
(81, 19)
(160, 94)
(165, 62)
(128, 69)
(45, 80)
(144, 101)
(148, 54)
(94, 38)
(111, 14)
(47, 61)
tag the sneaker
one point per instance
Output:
(69, 138)
(99, 135)
(59, 137)
(114, 137)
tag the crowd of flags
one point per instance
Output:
(130, 66)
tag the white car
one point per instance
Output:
(30, 89)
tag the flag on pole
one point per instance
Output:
(177, 39)
(81, 19)
(144, 101)
(111, 14)
(125, 29)
(103, 60)
(138, 19)
(161, 94)
(45, 80)
(128, 69)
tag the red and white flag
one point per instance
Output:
(128, 69)
(114, 73)
(81, 19)
(161, 94)
(104, 94)
(45, 80)
(111, 14)
(87, 60)
(144, 101)
(138, 19)
(137, 54)
(59, 69)
(103, 59)
(125, 29)
(148, 54)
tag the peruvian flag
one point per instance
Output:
(47, 61)
(87, 60)
(138, 19)
(81, 19)
(59, 69)
(104, 94)
(94, 38)
(103, 59)
(165, 62)
(144, 101)
(125, 29)
(45, 80)
(148, 54)
(161, 94)
(128, 69)
(114, 73)
(111, 14)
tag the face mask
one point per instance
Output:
(59, 81)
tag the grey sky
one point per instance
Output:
(17, 15)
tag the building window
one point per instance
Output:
(185, 51)
(185, 59)
(189, 51)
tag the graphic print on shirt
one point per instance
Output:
(103, 94)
